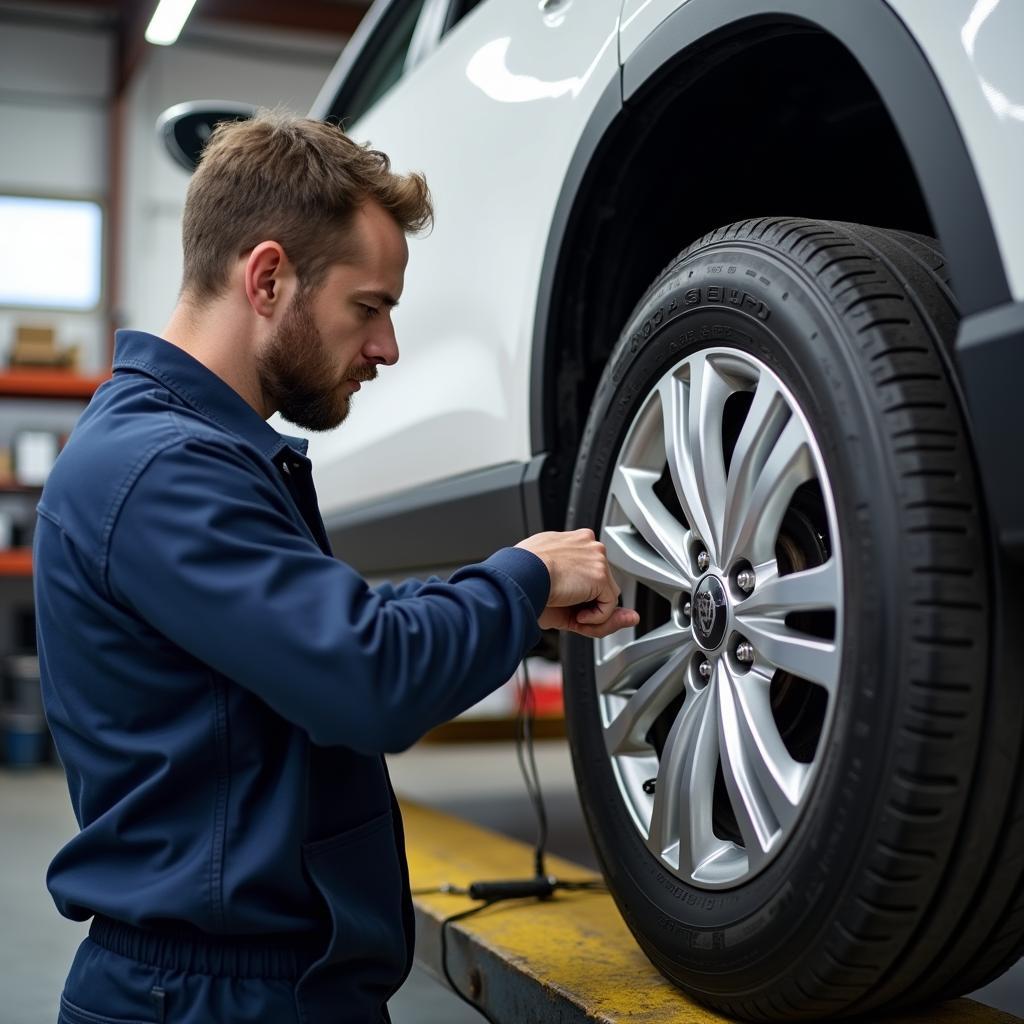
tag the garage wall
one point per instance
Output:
(56, 90)
(207, 65)
(55, 86)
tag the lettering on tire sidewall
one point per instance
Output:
(727, 287)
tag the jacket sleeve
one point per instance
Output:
(407, 588)
(205, 550)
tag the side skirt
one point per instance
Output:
(441, 526)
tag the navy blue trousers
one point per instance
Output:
(122, 976)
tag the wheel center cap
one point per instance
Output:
(710, 612)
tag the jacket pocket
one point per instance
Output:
(360, 878)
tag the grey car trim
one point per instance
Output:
(449, 523)
(597, 131)
(990, 352)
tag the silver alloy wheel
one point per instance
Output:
(712, 744)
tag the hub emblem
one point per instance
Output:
(709, 613)
(705, 613)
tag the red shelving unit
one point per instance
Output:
(46, 383)
(16, 562)
(41, 382)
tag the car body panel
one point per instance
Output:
(457, 400)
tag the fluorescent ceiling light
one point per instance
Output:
(168, 20)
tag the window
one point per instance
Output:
(51, 253)
(457, 11)
(381, 63)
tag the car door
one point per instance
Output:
(489, 104)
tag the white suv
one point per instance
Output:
(652, 305)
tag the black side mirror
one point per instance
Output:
(185, 128)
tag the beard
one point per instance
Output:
(298, 375)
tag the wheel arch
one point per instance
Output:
(726, 114)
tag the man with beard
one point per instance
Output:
(220, 688)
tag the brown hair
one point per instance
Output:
(294, 180)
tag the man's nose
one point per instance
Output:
(383, 346)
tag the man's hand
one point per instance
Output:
(584, 597)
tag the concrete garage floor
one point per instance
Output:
(478, 782)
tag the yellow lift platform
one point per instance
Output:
(566, 960)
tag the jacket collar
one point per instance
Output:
(200, 388)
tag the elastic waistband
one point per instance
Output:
(281, 956)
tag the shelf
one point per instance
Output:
(44, 383)
(11, 487)
(16, 562)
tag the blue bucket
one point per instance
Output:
(26, 739)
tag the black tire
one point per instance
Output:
(895, 885)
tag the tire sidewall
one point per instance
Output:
(749, 298)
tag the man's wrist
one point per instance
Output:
(528, 570)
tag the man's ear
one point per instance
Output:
(268, 274)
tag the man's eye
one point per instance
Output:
(370, 311)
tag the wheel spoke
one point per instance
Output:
(633, 489)
(625, 665)
(765, 421)
(817, 588)
(692, 414)
(785, 648)
(643, 563)
(724, 756)
(681, 820)
(765, 783)
(757, 516)
(628, 733)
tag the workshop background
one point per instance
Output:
(80, 92)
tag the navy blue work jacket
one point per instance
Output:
(221, 689)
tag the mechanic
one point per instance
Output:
(220, 688)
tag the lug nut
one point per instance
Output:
(745, 580)
(705, 669)
(648, 786)
(745, 652)
(688, 610)
(703, 561)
